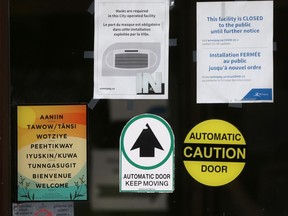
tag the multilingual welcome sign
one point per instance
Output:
(52, 152)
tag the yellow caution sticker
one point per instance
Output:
(214, 152)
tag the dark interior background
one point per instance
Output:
(48, 40)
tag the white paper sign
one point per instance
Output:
(131, 49)
(147, 155)
(43, 209)
(235, 52)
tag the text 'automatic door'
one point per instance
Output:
(128, 59)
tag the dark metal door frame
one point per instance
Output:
(5, 179)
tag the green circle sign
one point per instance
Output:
(147, 141)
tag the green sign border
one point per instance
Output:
(124, 133)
